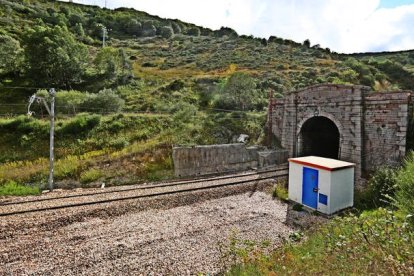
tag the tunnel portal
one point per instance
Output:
(319, 136)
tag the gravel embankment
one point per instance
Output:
(168, 240)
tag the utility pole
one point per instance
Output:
(51, 112)
(104, 34)
(269, 119)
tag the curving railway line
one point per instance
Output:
(50, 202)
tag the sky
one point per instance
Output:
(345, 26)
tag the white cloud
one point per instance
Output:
(342, 25)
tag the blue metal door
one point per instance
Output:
(310, 187)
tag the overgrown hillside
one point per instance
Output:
(156, 83)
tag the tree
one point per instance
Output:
(107, 62)
(10, 55)
(133, 27)
(238, 92)
(106, 100)
(54, 57)
(176, 28)
(125, 64)
(167, 32)
(148, 28)
(306, 43)
(348, 76)
(226, 31)
(70, 101)
(193, 31)
(75, 18)
(79, 30)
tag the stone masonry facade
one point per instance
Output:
(373, 126)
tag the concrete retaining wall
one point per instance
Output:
(211, 159)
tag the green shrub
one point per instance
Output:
(25, 124)
(70, 101)
(381, 186)
(90, 176)
(67, 167)
(176, 28)
(82, 123)
(193, 31)
(396, 73)
(12, 188)
(226, 31)
(115, 126)
(166, 32)
(148, 28)
(297, 207)
(281, 193)
(161, 169)
(237, 92)
(78, 29)
(405, 187)
(133, 27)
(244, 270)
(119, 143)
(105, 101)
(10, 54)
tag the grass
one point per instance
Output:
(281, 193)
(379, 242)
(12, 188)
(90, 175)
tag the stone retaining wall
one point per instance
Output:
(212, 159)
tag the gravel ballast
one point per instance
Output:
(179, 240)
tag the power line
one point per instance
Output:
(218, 110)
(21, 87)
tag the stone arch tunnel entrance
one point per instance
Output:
(373, 127)
(319, 136)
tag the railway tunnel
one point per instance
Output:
(319, 136)
(345, 122)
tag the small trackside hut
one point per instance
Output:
(322, 184)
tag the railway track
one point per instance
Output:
(144, 187)
(136, 192)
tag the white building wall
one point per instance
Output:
(338, 186)
(295, 182)
(342, 190)
(324, 186)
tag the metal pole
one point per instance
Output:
(103, 35)
(51, 112)
(52, 93)
(270, 118)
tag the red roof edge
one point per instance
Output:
(319, 166)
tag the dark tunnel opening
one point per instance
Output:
(319, 136)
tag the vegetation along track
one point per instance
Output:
(143, 191)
